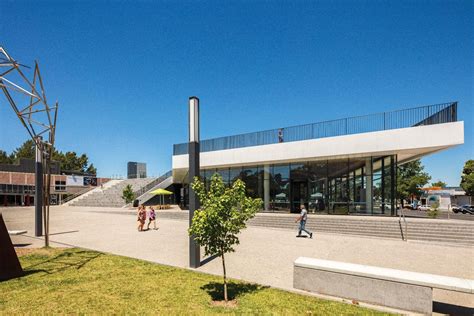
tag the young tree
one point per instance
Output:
(439, 183)
(127, 194)
(433, 212)
(411, 178)
(223, 214)
(467, 178)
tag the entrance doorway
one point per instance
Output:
(299, 194)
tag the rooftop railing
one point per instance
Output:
(423, 115)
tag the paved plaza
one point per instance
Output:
(264, 256)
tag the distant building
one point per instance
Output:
(136, 170)
(17, 183)
(446, 197)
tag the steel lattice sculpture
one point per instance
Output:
(28, 101)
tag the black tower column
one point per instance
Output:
(39, 190)
(194, 250)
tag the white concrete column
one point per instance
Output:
(368, 184)
(266, 187)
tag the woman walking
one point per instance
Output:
(151, 218)
(141, 214)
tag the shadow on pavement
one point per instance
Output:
(21, 245)
(68, 232)
(208, 259)
(449, 309)
(234, 290)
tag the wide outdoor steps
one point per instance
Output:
(452, 231)
(111, 196)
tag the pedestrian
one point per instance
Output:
(141, 217)
(152, 218)
(280, 135)
(302, 219)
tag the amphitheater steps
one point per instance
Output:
(112, 195)
(454, 232)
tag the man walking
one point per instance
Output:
(302, 219)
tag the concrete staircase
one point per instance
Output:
(454, 231)
(163, 182)
(110, 196)
(438, 230)
(106, 185)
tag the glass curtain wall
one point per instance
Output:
(280, 188)
(339, 186)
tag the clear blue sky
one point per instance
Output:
(123, 71)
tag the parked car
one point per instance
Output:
(424, 208)
(465, 209)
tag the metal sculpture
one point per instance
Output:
(28, 101)
(10, 266)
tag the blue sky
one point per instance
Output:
(123, 71)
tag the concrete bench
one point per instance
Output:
(410, 291)
(16, 232)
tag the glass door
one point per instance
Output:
(299, 195)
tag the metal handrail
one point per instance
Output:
(77, 194)
(402, 216)
(153, 183)
(422, 115)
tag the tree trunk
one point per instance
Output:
(225, 279)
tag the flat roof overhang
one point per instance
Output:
(408, 143)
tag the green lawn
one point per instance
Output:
(77, 281)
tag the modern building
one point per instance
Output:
(136, 170)
(344, 166)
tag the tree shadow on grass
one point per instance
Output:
(63, 261)
(234, 290)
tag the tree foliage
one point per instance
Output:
(69, 160)
(467, 177)
(439, 183)
(27, 150)
(433, 212)
(221, 217)
(4, 158)
(411, 178)
(127, 194)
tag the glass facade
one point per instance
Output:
(341, 186)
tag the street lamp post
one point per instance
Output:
(39, 188)
(194, 251)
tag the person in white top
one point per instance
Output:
(302, 219)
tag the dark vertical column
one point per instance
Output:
(354, 190)
(347, 188)
(393, 183)
(39, 190)
(383, 185)
(194, 150)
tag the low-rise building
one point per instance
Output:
(17, 183)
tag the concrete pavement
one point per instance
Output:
(264, 256)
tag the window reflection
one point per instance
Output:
(280, 188)
(342, 186)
